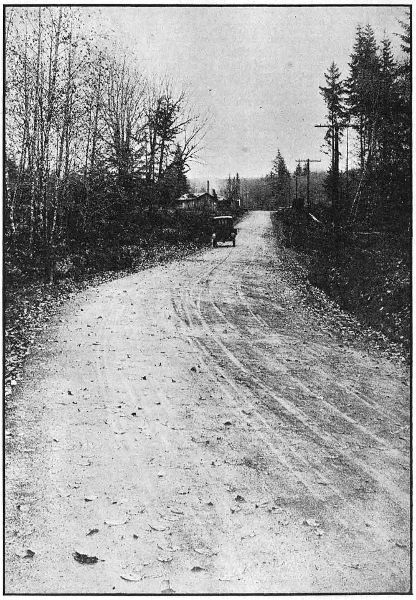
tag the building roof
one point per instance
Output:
(187, 196)
(205, 194)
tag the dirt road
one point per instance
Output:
(217, 432)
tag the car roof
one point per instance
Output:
(223, 217)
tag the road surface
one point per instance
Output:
(205, 427)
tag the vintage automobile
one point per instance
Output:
(223, 230)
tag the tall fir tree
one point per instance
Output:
(174, 183)
(280, 181)
(334, 97)
(363, 89)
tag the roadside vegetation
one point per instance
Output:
(96, 155)
(30, 303)
(96, 152)
(366, 273)
(355, 234)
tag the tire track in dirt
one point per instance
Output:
(303, 419)
(222, 432)
(359, 467)
(295, 464)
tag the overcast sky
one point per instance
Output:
(256, 70)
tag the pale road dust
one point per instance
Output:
(217, 436)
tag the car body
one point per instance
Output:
(223, 230)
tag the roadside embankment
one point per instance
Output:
(366, 273)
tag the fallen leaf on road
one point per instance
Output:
(197, 569)
(131, 577)
(70, 393)
(311, 523)
(168, 548)
(164, 559)
(239, 498)
(25, 554)
(401, 545)
(206, 551)
(139, 511)
(157, 526)
(85, 559)
(249, 535)
(227, 423)
(121, 501)
(92, 531)
(90, 498)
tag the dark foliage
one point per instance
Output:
(365, 272)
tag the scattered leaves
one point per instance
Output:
(131, 577)
(165, 559)
(157, 526)
(310, 523)
(25, 554)
(85, 559)
(206, 551)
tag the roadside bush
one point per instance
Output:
(366, 273)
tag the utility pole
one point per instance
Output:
(347, 183)
(335, 127)
(308, 161)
